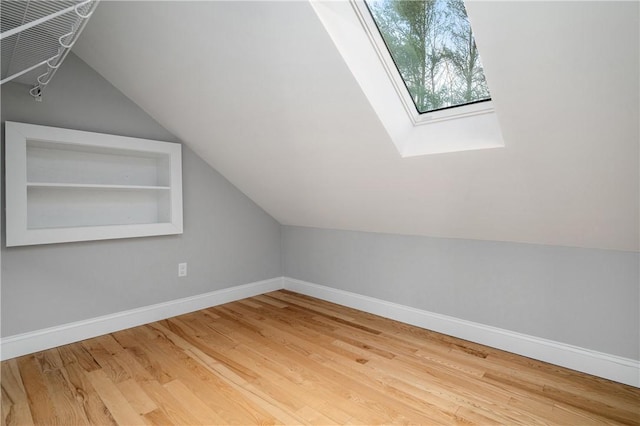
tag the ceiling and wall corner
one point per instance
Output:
(259, 90)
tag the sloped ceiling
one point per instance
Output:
(260, 92)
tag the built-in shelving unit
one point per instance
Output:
(66, 185)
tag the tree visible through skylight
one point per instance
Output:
(434, 50)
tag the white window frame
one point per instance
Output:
(461, 128)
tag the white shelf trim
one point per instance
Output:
(52, 196)
(93, 186)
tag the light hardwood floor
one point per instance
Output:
(286, 358)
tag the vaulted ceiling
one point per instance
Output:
(260, 92)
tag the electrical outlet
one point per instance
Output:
(182, 269)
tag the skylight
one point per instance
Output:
(432, 46)
(468, 126)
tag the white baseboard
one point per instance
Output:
(619, 369)
(26, 343)
(623, 370)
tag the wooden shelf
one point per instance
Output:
(65, 185)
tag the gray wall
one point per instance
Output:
(584, 297)
(228, 240)
(589, 298)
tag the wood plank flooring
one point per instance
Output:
(283, 358)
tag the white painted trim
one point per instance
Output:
(18, 136)
(460, 129)
(26, 343)
(623, 370)
(386, 61)
(619, 369)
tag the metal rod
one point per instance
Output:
(31, 68)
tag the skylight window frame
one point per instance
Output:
(418, 118)
(464, 128)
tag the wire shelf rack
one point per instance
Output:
(36, 36)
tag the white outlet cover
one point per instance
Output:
(182, 269)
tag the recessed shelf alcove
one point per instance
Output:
(67, 185)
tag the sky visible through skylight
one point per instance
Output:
(433, 48)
